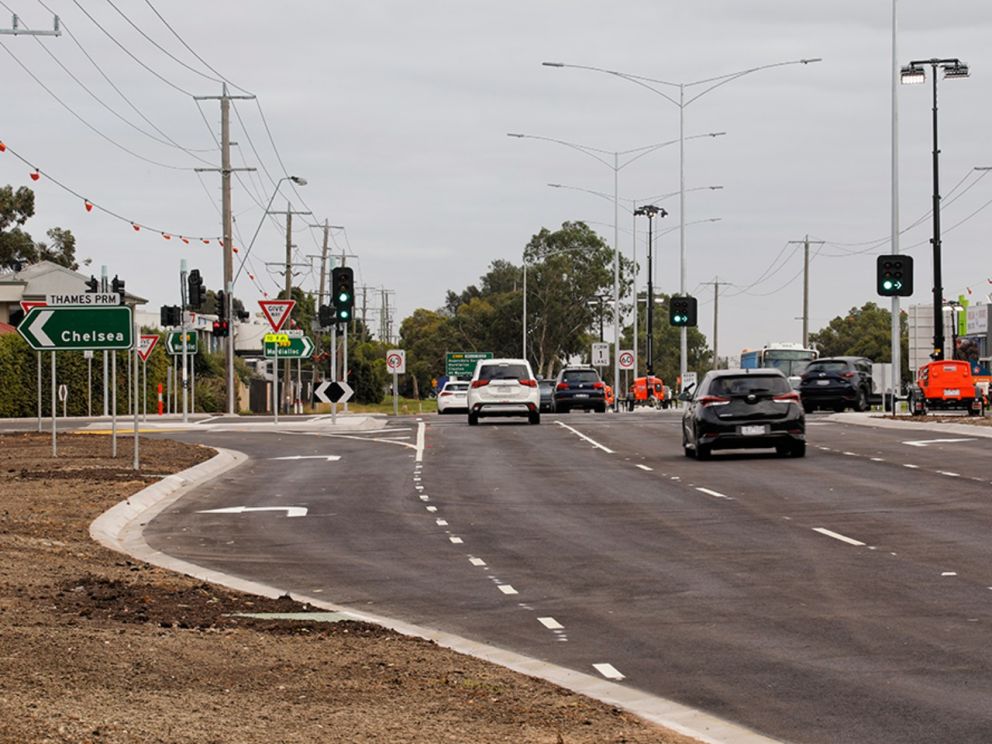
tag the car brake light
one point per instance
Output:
(713, 400)
(561, 386)
(479, 383)
(445, 394)
(598, 386)
(787, 398)
(848, 375)
(528, 383)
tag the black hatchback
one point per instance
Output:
(743, 409)
(836, 383)
(579, 387)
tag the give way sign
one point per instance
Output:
(145, 345)
(277, 312)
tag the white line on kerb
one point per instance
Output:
(593, 442)
(645, 467)
(550, 623)
(717, 494)
(608, 670)
(837, 536)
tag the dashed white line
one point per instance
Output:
(507, 589)
(645, 467)
(456, 540)
(432, 508)
(441, 522)
(949, 573)
(911, 466)
(717, 494)
(591, 441)
(424, 497)
(550, 623)
(477, 561)
(837, 536)
(608, 670)
(877, 459)
(420, 441)
(850, 454)
(949, 474)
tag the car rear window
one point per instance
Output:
(503, 372)
(580, 375)
(827, 367)
(747, 384)
(546, 383)
(456, 386)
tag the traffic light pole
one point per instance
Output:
(182, 330)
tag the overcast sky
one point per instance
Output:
(397, 113)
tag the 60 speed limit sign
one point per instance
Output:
(626, 359)
(396, 361)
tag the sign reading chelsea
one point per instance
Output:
(78, 328)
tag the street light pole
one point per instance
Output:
(650, 211)
(915, 72)
(710, 84)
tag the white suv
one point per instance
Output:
(503, 387)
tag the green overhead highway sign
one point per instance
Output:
(174, 342)
(462, 363)
(293, 348)
(78, 328)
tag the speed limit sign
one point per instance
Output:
(396, 361)
(626, 360)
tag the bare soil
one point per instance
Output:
(95, 647)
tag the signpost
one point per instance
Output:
(626, 359)
(277, 311)
(600, 355)
(461, 364)
(396, 363)
(292, 348)
(334, 392)
(174, 342)
(145, 345)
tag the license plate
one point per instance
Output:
(823, 382)
(952, 391)
(754, 430)
(582, 395)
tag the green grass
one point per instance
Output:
(406, 406)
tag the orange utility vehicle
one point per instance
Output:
(648, 391)
(945, 385)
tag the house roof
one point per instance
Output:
(35, 281)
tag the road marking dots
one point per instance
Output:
(850, 454)
(441, 522)
(716, 494)
(877, 459)
(949, 474)
(591, 441)
(949, 573)
(550, 623)
(911, 466)
(645, 467)
(424, 497)
(456, 540)
(837, 536)
(507, 589)
(476, 561)
(608, 670)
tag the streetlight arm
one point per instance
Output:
(585, 150)
(651, 148)
(294, 179)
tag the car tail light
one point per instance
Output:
(561, 386)
(713, 400)
(446, 394)
(479, 383)
(598, 386)
(528, 383)
(848, 375)
(787, 398)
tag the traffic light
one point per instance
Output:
(682, 311)
(92, 284)
(894, 276)
(171, 316)
(117, 286)
(197, 293)
(343, 291)
(221, 329)
(325, 315)
(221, 305)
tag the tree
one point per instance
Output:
(864, 331)
(17, 246)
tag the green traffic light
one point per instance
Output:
(343, 297)
(887, 285)
(343, 314)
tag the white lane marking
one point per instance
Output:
(477, 561)
(925, 442)
(717, 494)
(432, 509)
(850, 454)
(877, 459)
(328, 458)
(911, 466)
(949, 474)
(949, 573)
(291, 511)
(593, 442)
(608, 670)
(837, 536)
(550, 623)
(507, 589)
(424, 497)
(441, 522)
(645, 467)
(420, 441)
(456, 540)
(419, 488)
(417, 479)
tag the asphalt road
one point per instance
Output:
(842, 597)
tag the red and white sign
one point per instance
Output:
(626, 360)
(396, 361)
(26, 306)
(277, 312)
(145, 346)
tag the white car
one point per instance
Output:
(503, 387)
(453, 397)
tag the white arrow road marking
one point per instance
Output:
(837, 536)
(608, 670)
(37, 326)
(328, 458)
(291, 511)
(925, 442)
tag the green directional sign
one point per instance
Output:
(174, 342)
(462, 363)
(292, 348)
(78, 328)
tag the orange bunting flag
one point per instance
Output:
(265, 294)
(167, 236)
(36, 175)
(221, 242)
(251, 276)
(185, 240)
(136, 227)
(234, 248)
(969, 290)
(205, 241)
(88, 205)
(3, 147)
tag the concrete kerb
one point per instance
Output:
(121, 529)
(876, 420)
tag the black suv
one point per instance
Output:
(579, 387)
(837, 383)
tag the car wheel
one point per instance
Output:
(440, 411)
(703, 451)
(783, 450)
(798, 449)
(601, 409)
(686, 449)
(534, 418)
(862, 405)
(563, 409)
(808, 408)
(839, 407)
(473, 419)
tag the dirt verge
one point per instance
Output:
(97, 648)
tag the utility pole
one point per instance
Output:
(228, 226)
(806, 243)
(716, 314)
